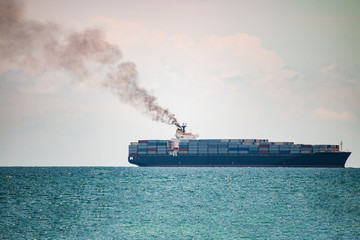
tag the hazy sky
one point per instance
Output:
(280, 70)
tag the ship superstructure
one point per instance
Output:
(186, 150)
(180, 136)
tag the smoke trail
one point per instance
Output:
(35, 46)
(123, 83)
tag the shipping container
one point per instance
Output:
(221, 150)
(284, 146)
(264, 144)
(263, 152)
(305, 146)
(303, 151)
(285, 151)
(183, 144)
(223, 144)
(194, 144)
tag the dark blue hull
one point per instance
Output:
(325, 159)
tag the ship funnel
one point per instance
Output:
(183, 127)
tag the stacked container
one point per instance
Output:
(142, 147)
(223, 147)
(152, 147)
(234, 147)
(193, 147)
(184, 147)
(284, 149)
(325, 148)
(264, 148)
(243, 149)
(213, 147)
(254, 149)
(306, 149)
(333, 148)
(161, 147)
(295, 149)
(133, 149)
(203, 147)
(274, 149)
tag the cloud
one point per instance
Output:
(328, 69)
(47, 82)
(326, 114)
(38, 89)
(209, 60)
(336, 85)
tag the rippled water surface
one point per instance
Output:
(179, 203)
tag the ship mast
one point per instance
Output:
(341, 143)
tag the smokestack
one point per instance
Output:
(34, 46)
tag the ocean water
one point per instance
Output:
(179, 203)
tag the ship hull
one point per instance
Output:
(319, 160)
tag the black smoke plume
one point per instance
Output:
(35, 46)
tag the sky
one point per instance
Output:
(269, 69)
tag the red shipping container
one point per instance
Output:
(132, 154)
(306, 146)
(183, 149)
(143, 141)
(152, 149)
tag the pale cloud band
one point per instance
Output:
(227, 63)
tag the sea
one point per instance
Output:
(179, 203)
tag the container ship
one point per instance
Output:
(185, 150)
